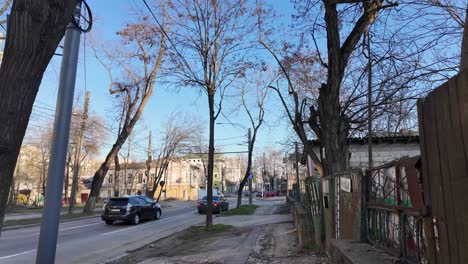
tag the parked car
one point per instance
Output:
(270, 194)
(219, 204)
(131, 209)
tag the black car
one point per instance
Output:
(130, 209)
(219, 204)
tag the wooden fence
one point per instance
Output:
(443, 129)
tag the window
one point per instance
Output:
(216, 175)
(138, 201)
(140, 177)
(148, 200)
(110, 179)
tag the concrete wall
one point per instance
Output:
(353, 252)
(381, 153)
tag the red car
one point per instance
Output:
(270, 194)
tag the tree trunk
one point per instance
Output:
(334, 133)
(116, 176)
(464, 47)
(102, 171)
(67, 178)
(43, 177)
(11, 199)
(35, 28)
(249, 167)
(209, 209)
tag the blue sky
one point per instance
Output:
(110, 17)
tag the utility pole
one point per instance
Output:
(297, 171)
(50, 217)
(148, 164)
(126, 178)
(263, 174)
(369, 101)
(249, 135)
(79, 146)
(286, 159)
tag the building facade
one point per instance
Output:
(184, 177)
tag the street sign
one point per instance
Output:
(250, 176)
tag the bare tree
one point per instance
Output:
(256, 113)
(332, 106)
(210, 39)
(146, 49)
(180, 134)
(30, 44)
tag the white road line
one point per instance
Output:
(120, 230)
(73, 227)
(18, 254)
(162, 220)
(174, 209)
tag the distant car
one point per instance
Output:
(131, 209)
(270, 194)
(219, 204)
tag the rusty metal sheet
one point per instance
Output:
(414, 188)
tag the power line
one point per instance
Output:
(169, 39)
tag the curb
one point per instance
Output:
(38, 224)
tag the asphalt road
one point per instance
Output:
(92, 241)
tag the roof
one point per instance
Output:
(379, 140)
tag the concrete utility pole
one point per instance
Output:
(148, 165)
(369, 101)
(297, 172)
(50, 217)
(263, 174)
(79, 146)
(249, 135)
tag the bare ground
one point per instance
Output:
(247, 239)
(278, 245)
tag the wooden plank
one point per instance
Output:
(432, 252)
(433, 162)
(444, 142)
(459, 99)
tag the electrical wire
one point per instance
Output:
(169, 39)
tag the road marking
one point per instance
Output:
(15, 255)
(73, 227)
(128, 228)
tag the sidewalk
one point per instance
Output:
(267, 236)
(21, 216)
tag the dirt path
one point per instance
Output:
(278, 246)
(268, 236)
